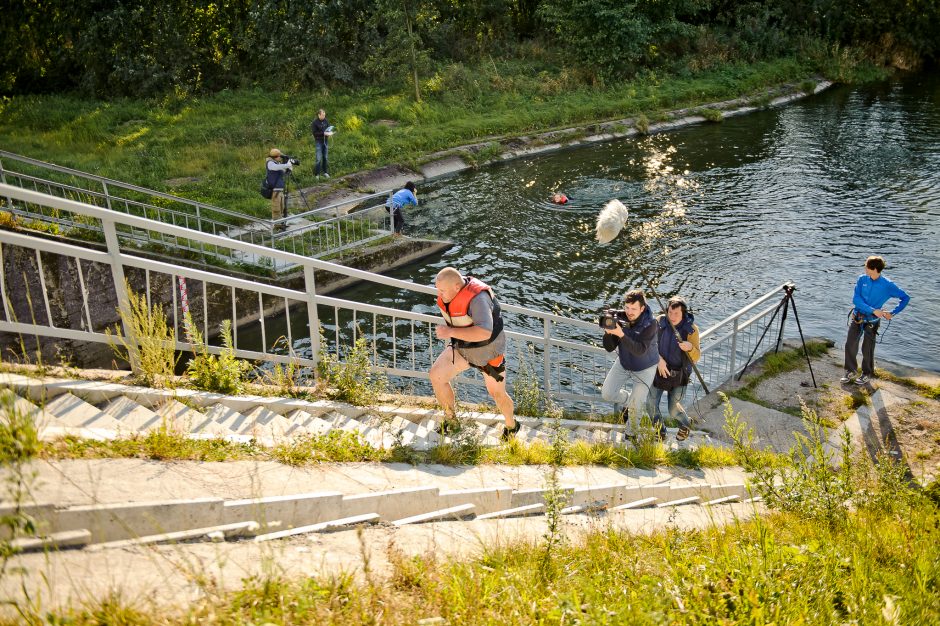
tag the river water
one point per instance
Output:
(720, 213)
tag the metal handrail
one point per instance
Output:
(316, 239)
(572, 367)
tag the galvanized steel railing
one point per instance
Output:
(562, 352)
(321, 232)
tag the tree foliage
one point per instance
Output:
(115, 48)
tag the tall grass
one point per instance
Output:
(212, 148)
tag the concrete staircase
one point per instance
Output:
(119, 525)
(105, 410)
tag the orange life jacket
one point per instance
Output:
(457, 312)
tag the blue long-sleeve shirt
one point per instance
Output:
(400, 199)
(872, 294)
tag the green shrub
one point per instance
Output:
(712, 115)
(222, 373)
(642, 124)
(527, 392)
(352, 379)
(151, 353)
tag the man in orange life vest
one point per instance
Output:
(475, 329)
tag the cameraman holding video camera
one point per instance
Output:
(276, 165)
(632, 332)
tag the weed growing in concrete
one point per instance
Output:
(19, 445)
(151, 352)
(352, 379)
(527, 390)
(222, 373)
(642, 124)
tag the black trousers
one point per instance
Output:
(399, 221)
(870, 331)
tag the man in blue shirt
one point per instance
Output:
(397, 202)
(872, 291)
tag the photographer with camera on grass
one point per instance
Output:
(676, 356)
(277, 165)
(632, 332)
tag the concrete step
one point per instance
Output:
(132, 415)
(264, 423)
(69, 410)
(180, 416)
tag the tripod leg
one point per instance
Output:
(802, 340)
(783, 323)
(763, 334)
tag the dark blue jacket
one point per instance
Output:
(668, 346)
(637, 349)
(275, 176)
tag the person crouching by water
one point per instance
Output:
(872, 291)
(634, 337)
(675, 364)
(397, 202)
(474, 327)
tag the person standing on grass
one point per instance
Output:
(276, 165)
(872, 291)
(321, 137)
(474, 327)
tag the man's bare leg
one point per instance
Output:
(504, 403)
(448, 365)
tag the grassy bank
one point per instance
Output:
(212, 148)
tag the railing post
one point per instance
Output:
(120, 288)
(313, 316)
(734, 346)
(107, 198)
(547, 355)
(198, 218)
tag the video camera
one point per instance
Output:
(291, 159)
(611, 318)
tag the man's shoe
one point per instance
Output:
(862, 380)
(510, 432)
(683, 433)
(849, 377)
(325, 175)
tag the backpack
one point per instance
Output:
(266, 190)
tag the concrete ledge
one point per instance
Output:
(485, 500)
(733, 489)
(228, 530)
(57, 541)
(612, 495)
(637, 504)
(41, 513)
(722, 500)
(679, 502)
(368, 518)
(395, 504)
(454, 512)
(300, 509)
(525, 497)
(110, 522)
(531, 509)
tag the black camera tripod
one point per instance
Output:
(289, 176)
(788, 289)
